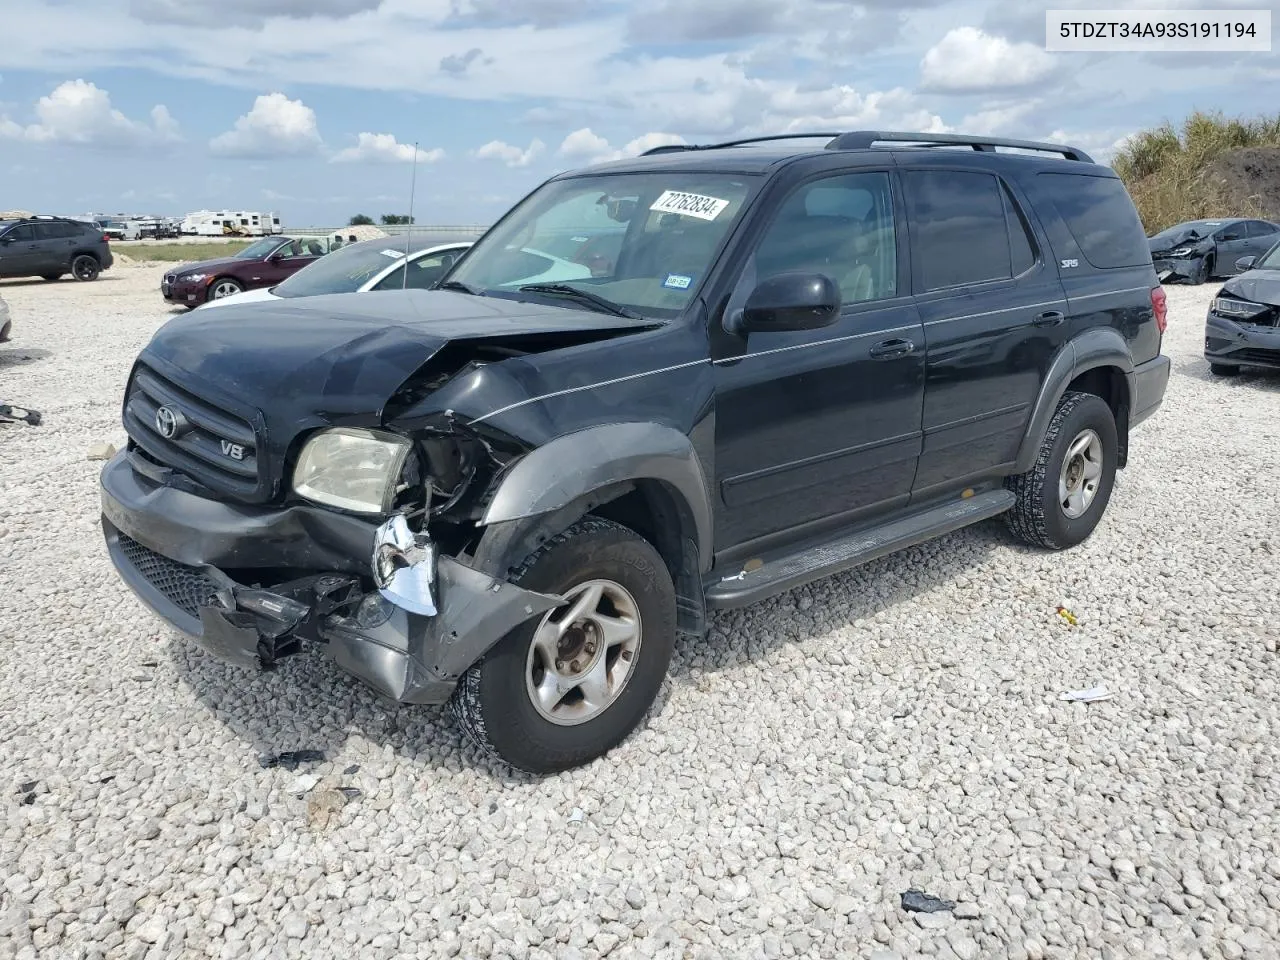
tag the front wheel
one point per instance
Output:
(566, 688)
(1061, 499)
(224, 287)
(85, 268)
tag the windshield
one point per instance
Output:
(1269, 260)
(642, 240)
(343, 271)
(259, 248)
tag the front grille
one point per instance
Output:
(187, 588)
(214, 447)
(1269, 319)
(1270, 358)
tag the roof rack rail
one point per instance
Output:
(678, 147)
(864, 139)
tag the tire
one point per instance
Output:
(1040, 517)
(223, 287)
(85, 268)
(496, 702)
(1223, 369)
(51, 277)
(1203, 270)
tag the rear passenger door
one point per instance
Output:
(53, 247)
(1262, 237)
(994, 316)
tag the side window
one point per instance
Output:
(1099, 215)
(424, 273)
(49, 231)
(959, 228)
(21, 233)
(842, 227)
(1258, 228)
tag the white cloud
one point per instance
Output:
(967, 60)
(384, 148)
(78, 111)
(587, 146)
(510, 154)
(248, 13)
(275, 126)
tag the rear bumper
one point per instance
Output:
(309, 582)
(1241, 344)
(1147, 386)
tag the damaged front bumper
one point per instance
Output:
(1239, 342)
(254, 585)
(1174, 269)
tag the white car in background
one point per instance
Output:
(360, 267)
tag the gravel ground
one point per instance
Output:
(896, 727)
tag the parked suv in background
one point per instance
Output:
(777, 362)
(51, 247)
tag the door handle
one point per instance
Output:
(1050, 318)
(892, 349)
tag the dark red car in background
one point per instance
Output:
(263, 263)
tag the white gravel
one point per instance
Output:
(898, 726)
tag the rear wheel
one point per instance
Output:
(1223, 369)
(1062, 498)
(85, 268)
(224, 287)
(566, 688)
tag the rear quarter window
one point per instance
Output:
(1100, 216)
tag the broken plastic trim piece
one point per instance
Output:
(404, 567)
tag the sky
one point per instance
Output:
(312, 109)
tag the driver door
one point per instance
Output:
(820, 429)
(18, 251)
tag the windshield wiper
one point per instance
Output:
(584, 296)
(460, 287)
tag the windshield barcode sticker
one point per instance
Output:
(393, 254)
(689, 205)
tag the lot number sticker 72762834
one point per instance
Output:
(689, 205)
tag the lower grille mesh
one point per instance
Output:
(186, 587)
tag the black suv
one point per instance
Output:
(51, 247)
(656, 388)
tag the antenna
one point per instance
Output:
(408, 234)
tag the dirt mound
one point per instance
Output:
(1248, 181)
(362, 232)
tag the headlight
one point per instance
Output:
(1183, 252)
(193, 277)
(1228, 307)
(351, 468)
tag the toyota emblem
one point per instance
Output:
(167, 421)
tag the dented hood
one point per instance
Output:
(344, 355)
(1256, 286)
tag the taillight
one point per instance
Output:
(1160, 304)
(105, 238)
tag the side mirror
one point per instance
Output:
(790, 301)
(1246, 263)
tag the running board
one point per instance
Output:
(780, 572)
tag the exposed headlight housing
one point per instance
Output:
(1183, 252)
(1230, 307)
(351, 468)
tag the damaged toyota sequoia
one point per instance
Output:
(655, 388)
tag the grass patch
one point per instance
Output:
(1170, 172)
(179, 252)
